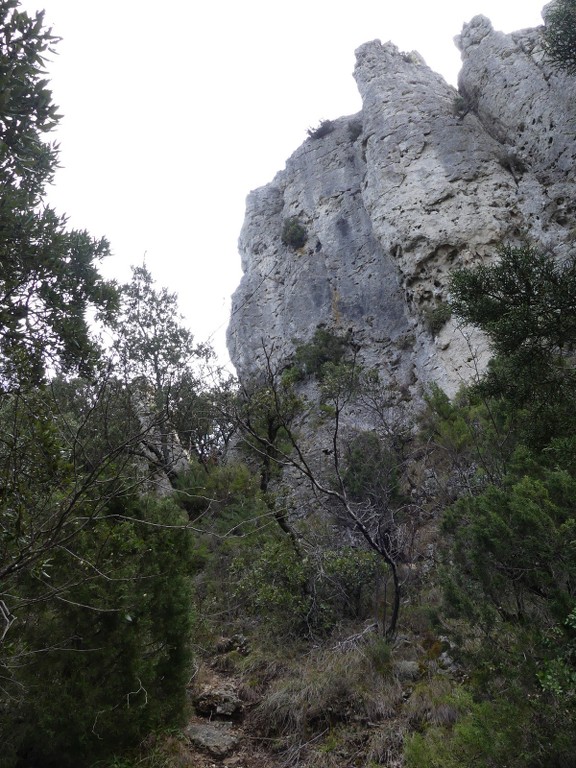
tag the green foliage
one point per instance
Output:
(508, 590)
(96, 649)
(508, 577)
(340, 384)
(371, 471)
(271, 584)
(199, 414)
(311, 358)
(560, 34)
(437, 316)
(355, 129)
(157, 358)
(449, 423)
(294, 233)
(27, 112)
(48, 281)
(509, 559)
(485, 734)
(512, 541)
(97, 668)
(266, 414)
(323, 129)
(94, 417)
(275, 440)
(379, 651)
(474, 436)
(95, 600)
(45, 498)
(222, 497)
(526, 303)
(344, 583)
(512, 728)
(48, 275)
(298, 596)
(151, 342)
(558, 674)
(232, 524)
(164, 750)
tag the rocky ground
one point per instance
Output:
(216, 734)
(345, 705)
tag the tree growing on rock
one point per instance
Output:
(360, 493)
(526, 303)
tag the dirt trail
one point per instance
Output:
(217, 736)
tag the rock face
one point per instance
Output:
(218, 739)
(423, 179)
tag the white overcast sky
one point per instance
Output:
(173, 112)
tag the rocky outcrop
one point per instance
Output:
(217, 739)
(218, 701)
(424, 179)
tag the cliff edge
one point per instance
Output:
(425, 178)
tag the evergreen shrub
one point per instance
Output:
(294, 233)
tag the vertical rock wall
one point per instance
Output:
(425, 178)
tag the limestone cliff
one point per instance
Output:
(423, 179)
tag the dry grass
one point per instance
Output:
(431, 703)
(330, 687)
(162, 751)
(386, 744)
(262, 667)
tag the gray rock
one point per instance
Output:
(221, 701)
(216, 738)
(422, 180)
